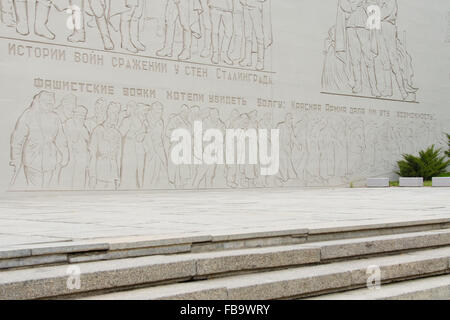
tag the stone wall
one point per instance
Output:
(90, 99)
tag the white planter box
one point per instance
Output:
(411, 182)
(441, 182)
(378, 183)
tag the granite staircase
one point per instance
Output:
(413, 259)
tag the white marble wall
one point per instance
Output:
(94, 109)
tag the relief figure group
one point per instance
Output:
(111, 145)
(224, 31)
(358, 56)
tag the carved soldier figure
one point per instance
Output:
(42, 12)
(21, 11)
(356, 146)
(66, 107)
(156, 157)
(359, 42)
(238, 39)
(253, 23)
(38, 142)
(207, 172)
(96, 8)
(131, 13)
(389, 53)
(7, 13)
(231, 170)
(76, 11)
(183, 11)
(215, 122)
(266, 122)
(301, 153)
(195, 115)
(247, 172)
(206, 29)
(99, 11)
(221, 15)
(74, 175)
(100, 115)
(105, 150)
(180, 175)
(133, 129)
(288, 142)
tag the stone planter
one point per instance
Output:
(378, 183)
(411, 182)
(441, 182)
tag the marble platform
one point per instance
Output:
(46, 218)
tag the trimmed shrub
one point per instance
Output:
(448, 151)
(428, 164)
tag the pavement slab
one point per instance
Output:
(44, 218)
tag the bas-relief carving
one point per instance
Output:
(7, 13)
(55, 145)
(82, 142)
(360, 61)
(227, 32)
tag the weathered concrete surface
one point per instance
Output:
(253, 259)
(32, 261)
(44, 219)
(303, 281)
(50, 281)
(434, 288)
(47, 282)
(382, 244)
(130, 253)
(200, 290)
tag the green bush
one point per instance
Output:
(428, 164)
(448, 151)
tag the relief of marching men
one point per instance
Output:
(108, 145)
(363, 60)
(229, 32)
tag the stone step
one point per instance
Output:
(124, 248)
(298, 282)
(51, 281)
(350, 248)
(433, 288)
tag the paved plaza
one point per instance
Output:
(36, 218)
